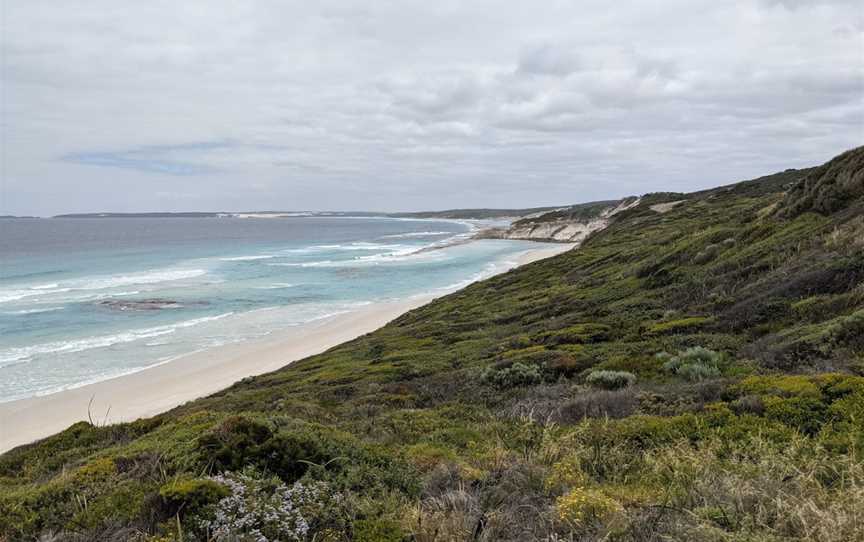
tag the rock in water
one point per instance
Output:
(142, 304)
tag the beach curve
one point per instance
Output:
(162, 387)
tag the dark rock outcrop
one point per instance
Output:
(154, 304)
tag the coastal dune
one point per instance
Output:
(160, 388)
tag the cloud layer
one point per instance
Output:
(195, 105)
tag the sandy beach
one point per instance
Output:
(160, 388)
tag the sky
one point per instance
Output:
(383, 105)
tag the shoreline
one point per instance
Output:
(159, 388)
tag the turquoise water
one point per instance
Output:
(82, 300)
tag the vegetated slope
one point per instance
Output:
(466, 214)
(576, 223)
(691, 374)
(828, 188)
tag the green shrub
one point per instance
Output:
(567, 361)
(577, 334)
(582, 507)
(568, 364)
(233, 443)
(189, 495)
(696, 371)
(516, 375)
(611, 380)
(784, 386)
(239, 443)
(707, 254)
(377, 530)
(848, 331)
(676, 326)
(804, 413)
(694, 364)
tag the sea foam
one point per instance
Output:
(14, 356)
(99, 283)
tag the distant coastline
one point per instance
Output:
(218, 214)
(456, 214)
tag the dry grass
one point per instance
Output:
(796, 492)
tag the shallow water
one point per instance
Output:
(82, 300)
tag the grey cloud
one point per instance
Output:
(548, 60)
(798, 4)
(117, 105)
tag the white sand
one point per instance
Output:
(163, 387)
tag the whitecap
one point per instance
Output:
(275, 286)
(100, 283)
(248, 258)
(152, 277)
(44, 286)
(26, 353)
(360, 245)
(416, 234)
(36, 311)
(17, 295)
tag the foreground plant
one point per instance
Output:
(263, 509)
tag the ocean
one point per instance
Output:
(84, 300)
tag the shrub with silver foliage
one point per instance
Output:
(518, 374)
(611, 380)
(694, 364)
(262, 509)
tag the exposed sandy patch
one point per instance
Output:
(666, 207)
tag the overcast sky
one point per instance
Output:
(114, 105)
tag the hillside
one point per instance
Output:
(692, 372)
(475, 214)
(571, 224)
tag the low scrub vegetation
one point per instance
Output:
(610, 380)
(517, 374)
(696, 363)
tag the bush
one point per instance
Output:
(695, 372)
(568, 364)
(804, 413)
(848, 331)
(516, 375)
(583, 507)
(577, 334)
(611, 380)
(598, 404)
(677, 326)
(749, 404)
(231, 445)
(707, 254)
(265, 509)
(694, 364)
(188, 496)
(377, 530)
(239, 443)
(783, 386)
(567, 361)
